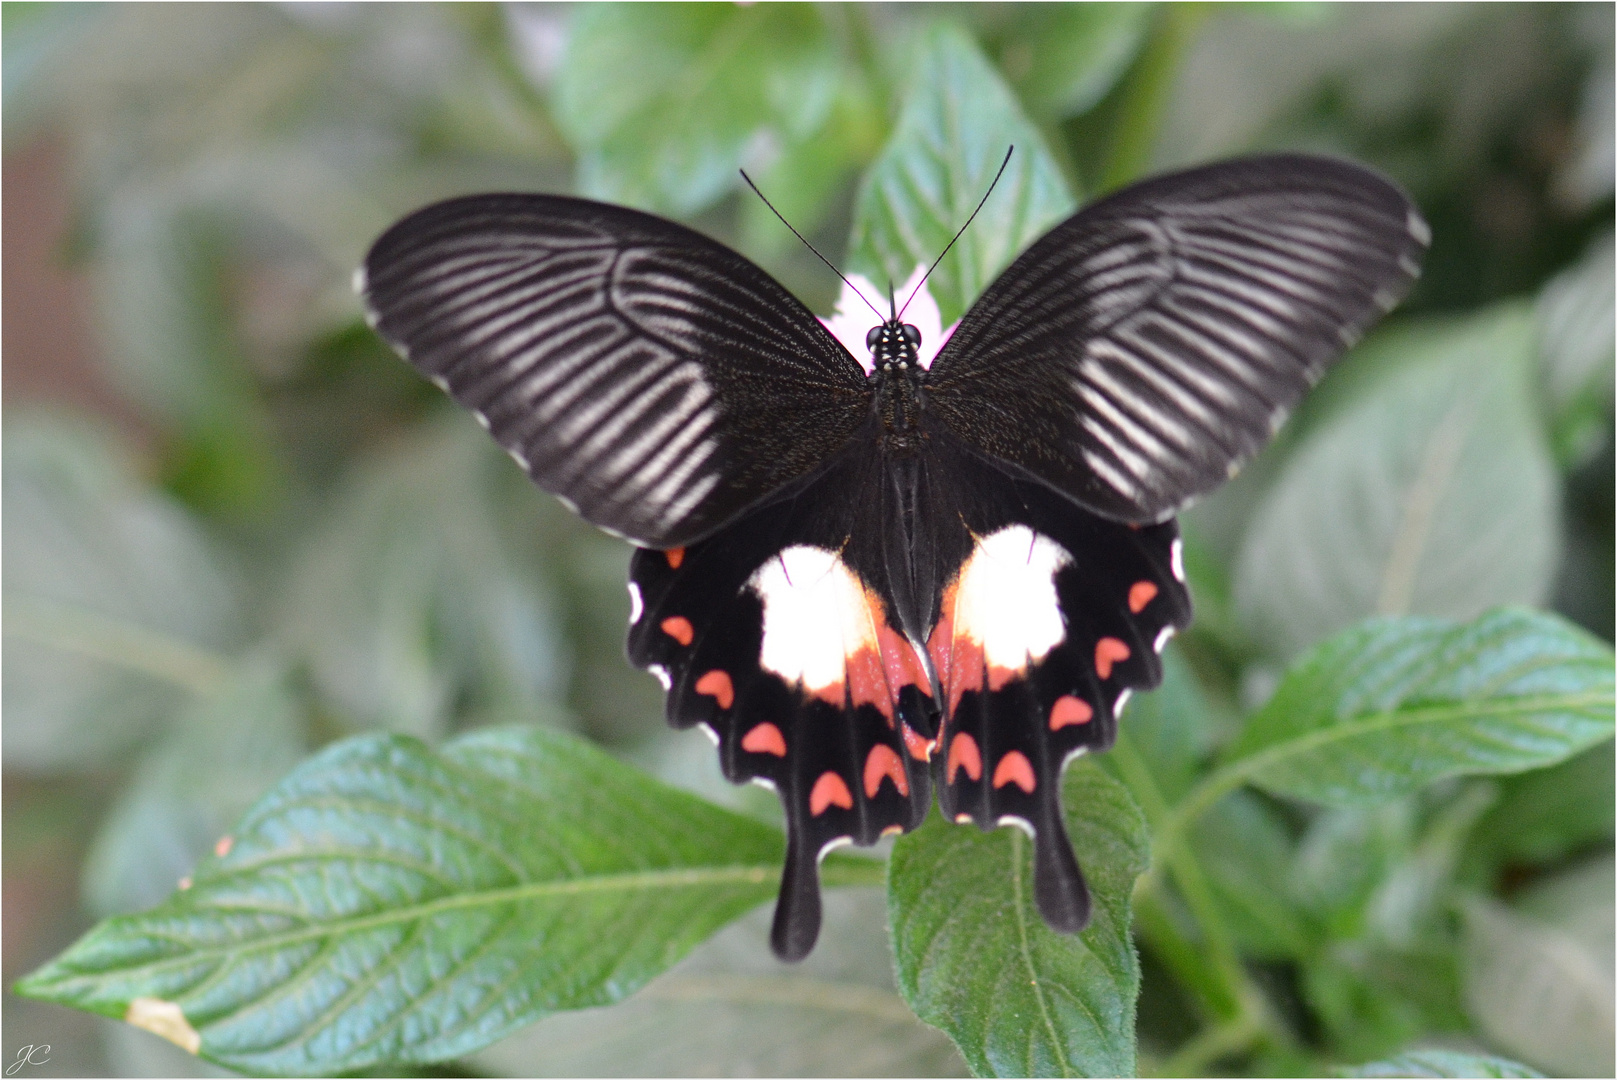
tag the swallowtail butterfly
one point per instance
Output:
(873, 580)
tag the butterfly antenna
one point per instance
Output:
(1009, 150)
(808, 245)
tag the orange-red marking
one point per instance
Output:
(675, 556)
(1141, 593)
(959, 660)
(679, 628)
(920, 749)
(764, 739)
(963, 754)
(829, 788)
(874, 675)
(884, 762)
(1070, 710)
(1015, 768)
(1109, 651)
(716, 685)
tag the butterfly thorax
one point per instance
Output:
(898, 377)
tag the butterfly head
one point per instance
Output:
(893, 346)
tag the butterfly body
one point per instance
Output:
(876, 586)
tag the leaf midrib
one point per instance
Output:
(753, 874)
(1233, 774)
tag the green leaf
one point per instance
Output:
(1576, 339)
(389, 903)
(1548, 814)
(1171, 729)
(1345, 854)
(1245, 850)
(664, 104)
(408, 603)
(115, 599)
(1438, 1063)
(958, 119)
(1394, 704)
(1063, 58)
(1431, 492)
(731, 1009)
(975, 959)
(1539, 974)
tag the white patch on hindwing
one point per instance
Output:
(1006, 597)
(816, 615)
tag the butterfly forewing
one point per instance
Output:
(654, 379)
(1141, 351)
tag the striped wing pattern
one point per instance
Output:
(1144, 349)
(655, 380)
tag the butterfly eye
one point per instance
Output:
(873, 337)
(911, 334)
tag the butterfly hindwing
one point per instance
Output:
(1053, 620)
(657, 381)
(771, 643)
(1142, 350)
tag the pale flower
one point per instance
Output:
(852, 319)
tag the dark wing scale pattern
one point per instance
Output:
(1141, 351)
(1121, 596)
(842, 771)
(655, 380)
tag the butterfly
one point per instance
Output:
(873, 579)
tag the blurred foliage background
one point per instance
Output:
(239, 528)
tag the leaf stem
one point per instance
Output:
(1217, 1041)
(1146, 95)
(1230, 991)
(115, 641)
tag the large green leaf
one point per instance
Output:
(1063, 58)
(731, 1009)
(1545, 815)
(958, 119)
(1539, 973)
(1575, 344)
(975, 958)
(1440, 1063)
(665, 103)
(116, 601)
(389, 903)
(1430, 492)
(1394, 704)
(1245, 851)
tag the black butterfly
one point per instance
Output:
(864, 585)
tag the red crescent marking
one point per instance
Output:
(1109, 651)
(963, 754)
(764, 739)
(829, 788)
(679, 628)
(1070, 710)
(1141, 593)
(675, 556)
(1014, 768)
(884, 762)
(919, 748)
(716, 685)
